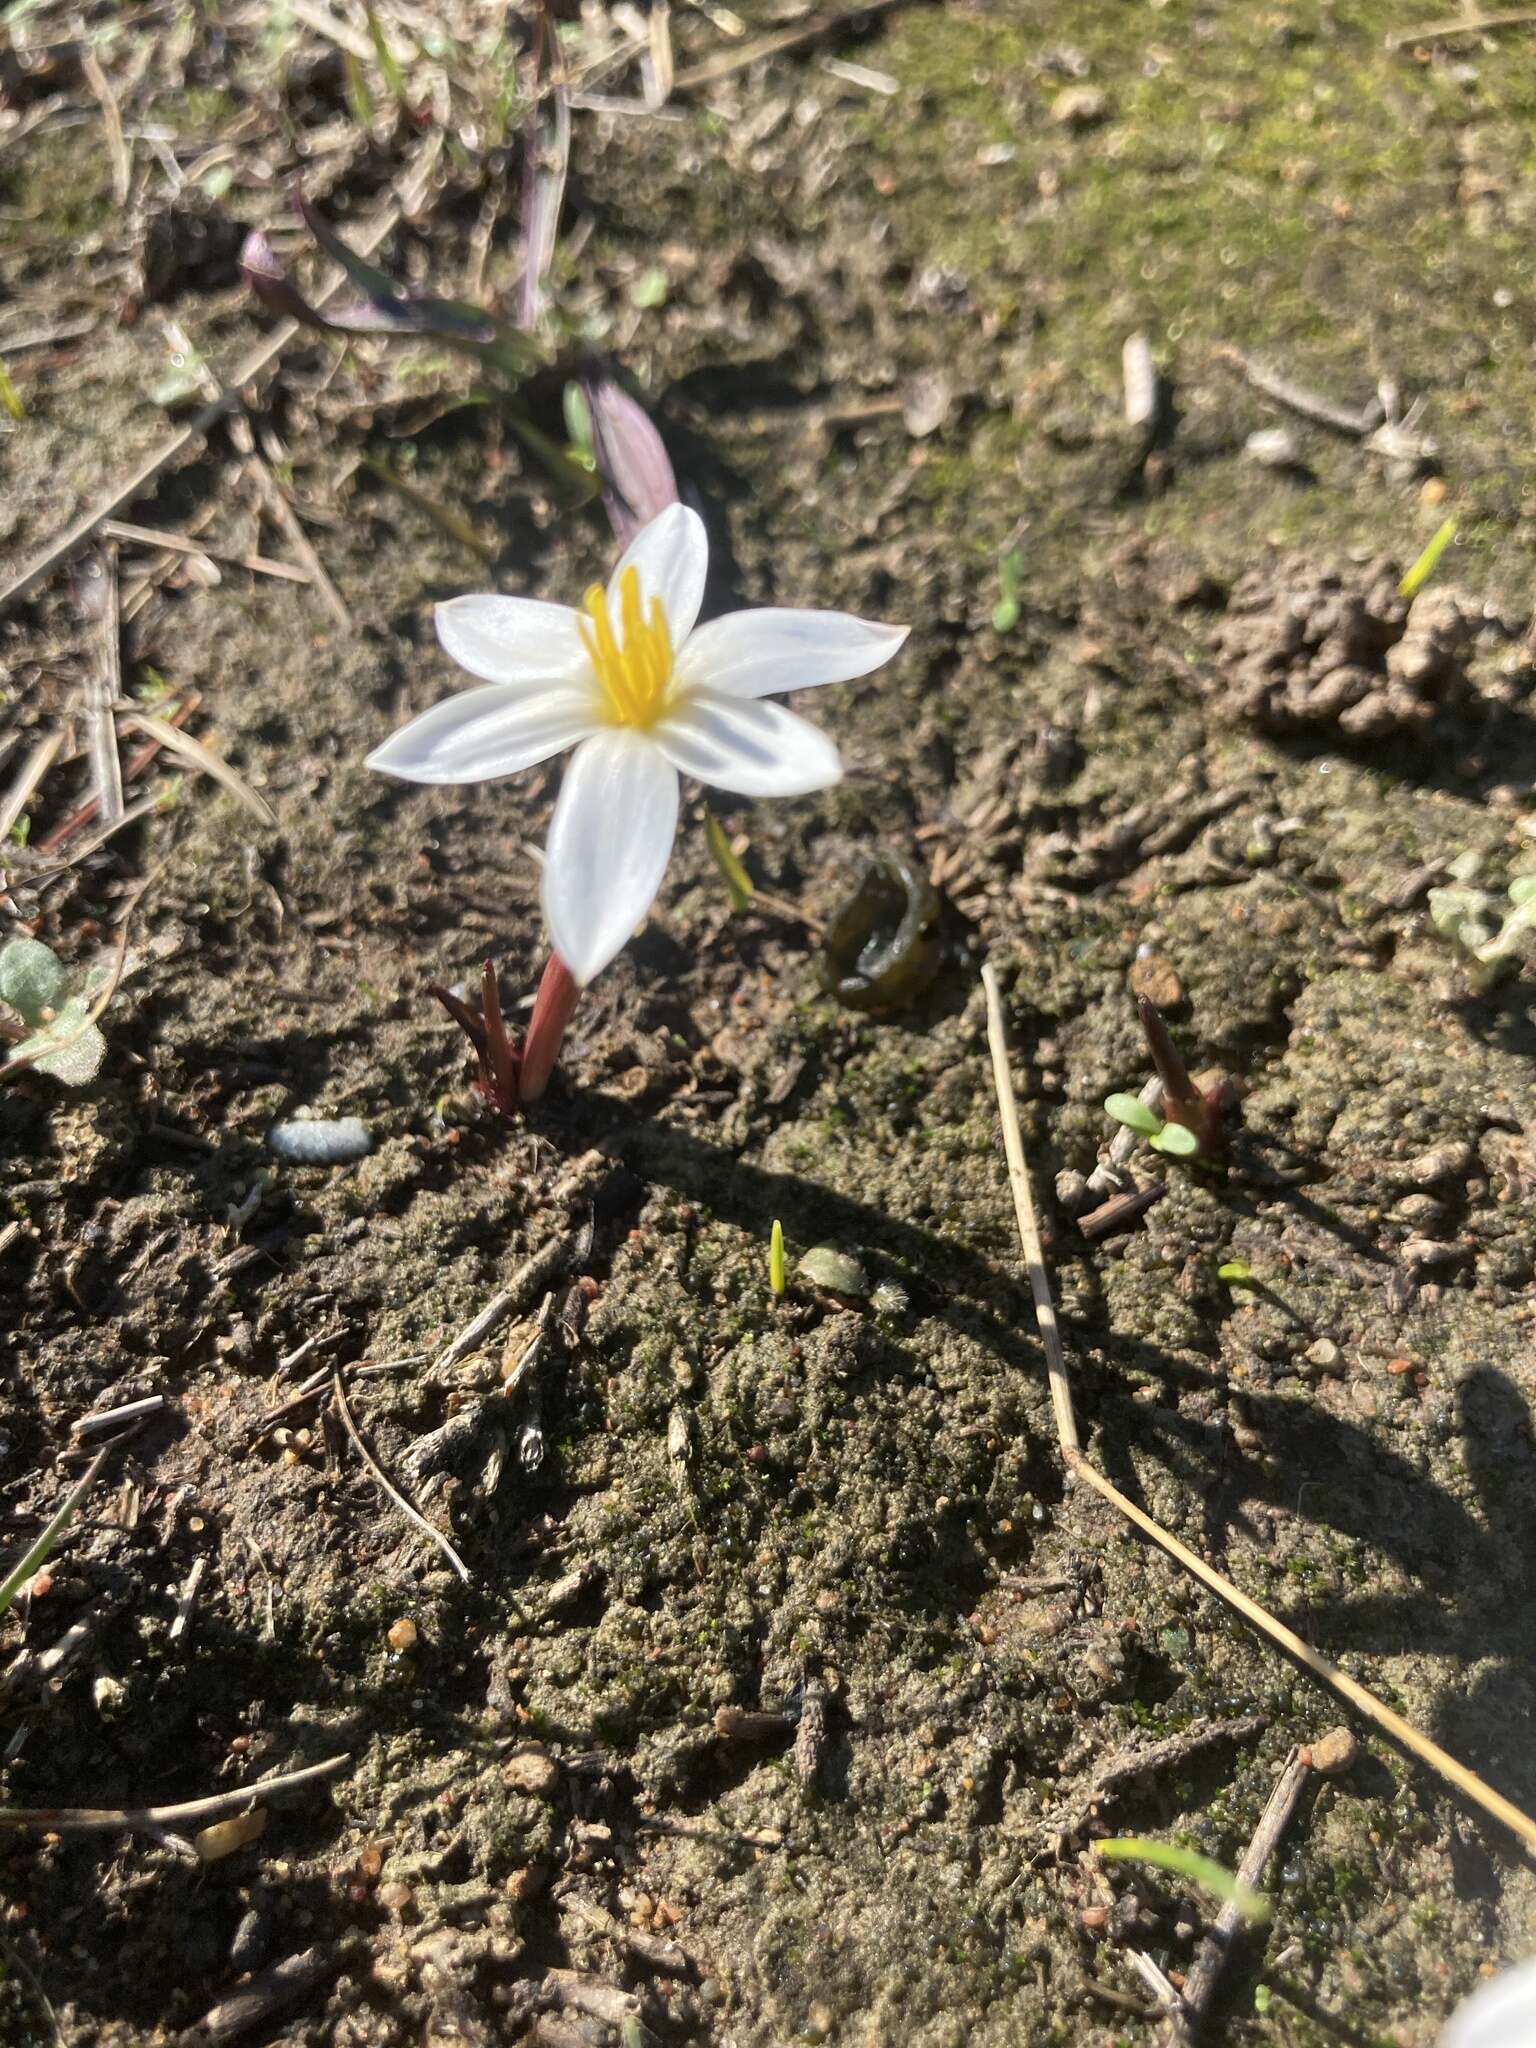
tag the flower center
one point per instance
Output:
(635, 672)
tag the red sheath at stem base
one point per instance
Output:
(552, 1007)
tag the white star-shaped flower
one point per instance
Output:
(643, 696)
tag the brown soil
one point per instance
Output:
(888, 353)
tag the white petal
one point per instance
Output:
(1497, 2015)
(477, 734)
(758, 654)
(512, 639)
(755, 749)
(609, 843)
(672, 555)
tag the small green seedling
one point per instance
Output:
(1177, 1140)
(1236, 1273)
(61, 1038)
(649, 290)
(1493, 941)
(776, 1257)
(47, 1539)
(738, 883)
(1427, 563)
(1192, 1127)
(1010, 578)
(389, 63)
(10, 397)
(1198, 1870)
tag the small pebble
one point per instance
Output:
(532, 1770)
(1274, 448)
(248, 1946)
(402, 1635)
(1079, 107)
(1425, 1251)
(313, 1141)
(1154, 976)
(1073, 1191)
(109, 1695)
(1450, 1161)
(1334, 1752)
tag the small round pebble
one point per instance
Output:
(316, 1141)
(532, 1770)
(1334, 1752)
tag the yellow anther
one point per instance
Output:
(634, 672)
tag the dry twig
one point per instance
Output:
(814, 29)
(31, 773)
(197, 756)
(103, 688)
(1460, 25)
(112, 120)
(413, 1515)
(1024, 1211)
(154, 1820)
(1189, 2015)
(1308, 405)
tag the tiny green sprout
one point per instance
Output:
(183, 381)
(1200, 1870)
(776, 1257)
(648, 293)
(1427, 563)
(1263, 1998)
(359, 99)
(389, 63)
(578, 423)
(1010, 578)
(47, 1539)
(738, 883)
(1177, 1140)
(1236, 1272)
(10, 397)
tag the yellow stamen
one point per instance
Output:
(634, 673)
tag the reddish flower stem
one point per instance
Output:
(552, 1008)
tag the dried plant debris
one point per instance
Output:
(1308, 646)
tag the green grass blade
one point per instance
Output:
(10, 397)
(737, 881)
(389, 63)
(1424, 567)
(1186, 1863)
(42, 1548)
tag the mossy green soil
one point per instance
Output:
(741, 1496)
